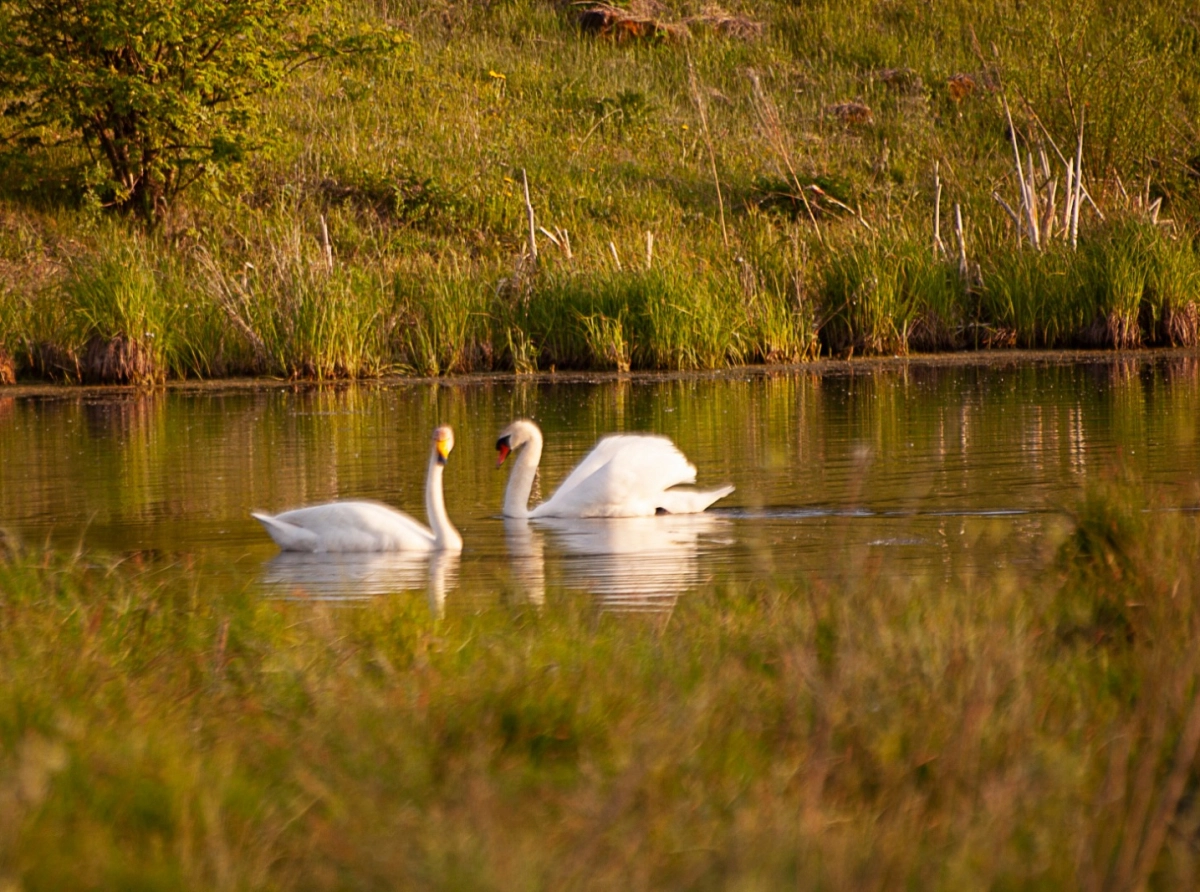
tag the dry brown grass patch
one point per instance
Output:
(902, 80)
(727, 23)
(1113, 330)
(1181, 325)
(647, 20)
(640, 22)
(963, 85)
(8, 369)
(851, 113)
(120, 360)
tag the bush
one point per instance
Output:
(160, 91)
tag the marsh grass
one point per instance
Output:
(1013, 731)
(666, 317)
(1128, 285)
(444, 322)
(413, 160)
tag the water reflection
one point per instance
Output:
(357, 576)
(633, 564)
(527, 554)
(900, 470)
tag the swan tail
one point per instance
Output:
(690, 501)
(287, 536)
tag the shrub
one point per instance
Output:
(159, 91)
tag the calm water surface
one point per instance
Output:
(903, 473)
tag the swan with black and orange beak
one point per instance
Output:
(625, 475)
(371, 526)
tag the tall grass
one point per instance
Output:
(1025, 729)
(658, 318)
(414, 162)
(1128, 285)
(303, 319)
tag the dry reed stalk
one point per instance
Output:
(1049, 219)
(529, 213)
(326, 246)
(1062, 158)
(566, 242)
(1011, 213)
(1070, 198)
(1031, 191)
(649, 248)
(938, 246)
(1078, 185)
(1124, 194)
(962, 241)
(768, 117)
(694, 89)
(550, 235)
(1026, 207)
(616, 257)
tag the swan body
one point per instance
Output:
(625, 475)
(370, 526)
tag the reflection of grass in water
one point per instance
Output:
(970, 728)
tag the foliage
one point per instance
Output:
(161, 92)
(413, 164)
(1034, 729)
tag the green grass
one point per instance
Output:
(1033, 729)
(414, 161)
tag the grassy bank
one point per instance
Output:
(786, 163)
(1003, 732)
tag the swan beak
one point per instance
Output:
(502, 450)
(443, 450)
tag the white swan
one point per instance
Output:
(625, 475)
(370, 526)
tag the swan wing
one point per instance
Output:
(287, 536)
(691, 501)
(624, 476)
(347, 527)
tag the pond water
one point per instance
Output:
(902, 471)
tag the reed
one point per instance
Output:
(887, 295)
(666, 317)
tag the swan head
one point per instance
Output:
(443, 442)
(513, 437)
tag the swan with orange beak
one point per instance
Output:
(625, 475)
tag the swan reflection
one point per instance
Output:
(527, 554)
(357, 576)
(630, 564)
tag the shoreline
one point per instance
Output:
(830, 366)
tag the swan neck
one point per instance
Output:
(520, 480)
(445, 536)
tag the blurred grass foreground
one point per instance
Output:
(1032, 729)
(345, 196)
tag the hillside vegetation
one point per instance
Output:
(710, 187)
